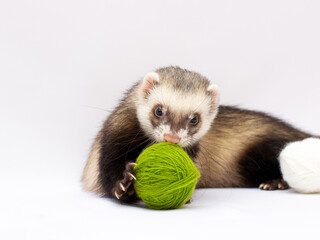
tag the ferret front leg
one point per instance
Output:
(274, 185)
(125, 185)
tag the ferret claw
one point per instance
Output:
(274, 185)
(132, 165)
(115, 193)
(283, 185)
(132, 176)
(266, 187)
(124, 185)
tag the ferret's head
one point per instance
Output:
(176, 105)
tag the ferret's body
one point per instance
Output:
(230, 147)
(241, 149)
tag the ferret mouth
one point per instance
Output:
(181, 143)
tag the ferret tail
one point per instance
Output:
(300, 165)
(90, 176)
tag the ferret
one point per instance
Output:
(231, 147)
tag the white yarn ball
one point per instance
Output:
(300, 165)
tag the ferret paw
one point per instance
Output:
(274, 185)
(124, 186)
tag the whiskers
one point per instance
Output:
(99, 108)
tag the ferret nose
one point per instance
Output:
(171, 138)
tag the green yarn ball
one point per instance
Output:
(165, 176)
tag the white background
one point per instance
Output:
(64, 64)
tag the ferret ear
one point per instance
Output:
(214, 91)
(149, 81)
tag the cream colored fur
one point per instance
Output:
(178, 102)
(90, 175)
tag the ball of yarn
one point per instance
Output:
(165, 176)
(300, 165)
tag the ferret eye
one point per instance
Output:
(158, 112)
(194, 121)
